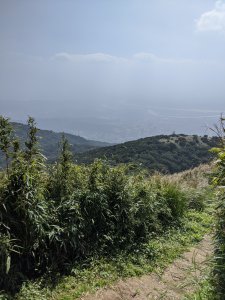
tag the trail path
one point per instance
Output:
(178, 279)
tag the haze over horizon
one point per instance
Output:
(113, 71)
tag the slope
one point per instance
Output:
(49, 140)
(164, 153)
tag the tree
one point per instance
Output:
(6, 138)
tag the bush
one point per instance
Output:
(171, 198)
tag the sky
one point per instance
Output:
(113, 70)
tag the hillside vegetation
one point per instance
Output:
(57, 218)
(49, 141)
(164, 153)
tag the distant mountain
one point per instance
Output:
(165, 153)
(49, 141)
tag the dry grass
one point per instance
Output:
(196, 178)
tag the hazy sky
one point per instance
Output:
(108, 69)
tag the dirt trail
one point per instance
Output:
(179, 278)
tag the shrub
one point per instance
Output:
(24, 214)
(171, 198)
(145, 209)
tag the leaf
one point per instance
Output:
(222, 155)
(8, 264)
(215, 150)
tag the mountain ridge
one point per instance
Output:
(49, 141)
(164, 153)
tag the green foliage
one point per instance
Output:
(173, 197)
(154, 255)
(5, 139)
(23, 218)
(32, 291)
(49, 141)
(219, 181)
(52, 217)
(205, 291)
(197, 199)
(163, 153)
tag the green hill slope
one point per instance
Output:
(49, 141)
(165, 153)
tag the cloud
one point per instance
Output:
(213, 20)
(103, 58)
(146, 57)
(150, 57)
(193, 117)
(93, 57)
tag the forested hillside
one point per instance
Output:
(164, 153)
(49, 141)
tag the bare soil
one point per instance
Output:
(178, 279)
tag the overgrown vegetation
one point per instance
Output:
(100, 271)
(219, 181)
(53, 217)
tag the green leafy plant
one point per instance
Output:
(219, 182)
(24, 212)
(6, 131)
